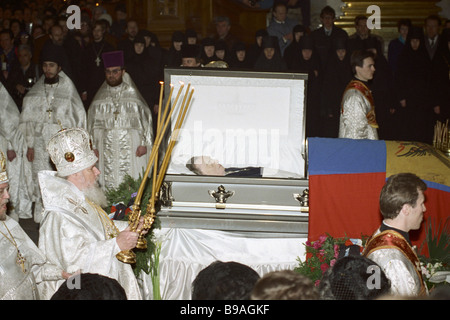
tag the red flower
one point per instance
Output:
(324, 267)
(336, 250)
(321, 257)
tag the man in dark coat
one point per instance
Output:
(362, 32)
(127, 44)
(323, 37)
(383, 92)
(94, 72)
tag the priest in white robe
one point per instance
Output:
(20, 259)
(12, 143)
(120, 122)
(53, 102)
(76, 234)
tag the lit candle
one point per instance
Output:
(161, 93)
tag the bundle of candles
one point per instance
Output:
(441, 137)
(158, 174)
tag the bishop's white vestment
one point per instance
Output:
(17, 283)
(357, 119)
(119, 120)
(46, 108)
(19, 170)
(390, 250)
(76, 235)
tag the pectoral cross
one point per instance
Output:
(49, 113)
(97, 61)
(116, 113)
(21, 261)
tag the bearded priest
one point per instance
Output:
(51, 103)
(120, 122)
(76, 235)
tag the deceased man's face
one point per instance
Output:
(207, 166)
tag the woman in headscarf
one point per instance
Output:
(412, 82)
(308, 62)
(256, 48)
(270, 58)
(173, 57)
(293, 50)
(145, 71)
(337, 74)
(239, 57)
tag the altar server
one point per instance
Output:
(357, 119)
(402, 204)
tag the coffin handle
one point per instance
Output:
(303, 199)
(221, 196)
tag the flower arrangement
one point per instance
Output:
(323, 253)
(435, 274)
(436, 266)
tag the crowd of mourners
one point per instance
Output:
(410, 86)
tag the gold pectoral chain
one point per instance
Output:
(20, 260)
(50, 104)
(111, 230)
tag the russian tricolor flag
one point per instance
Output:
(346, 177)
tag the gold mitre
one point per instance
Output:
(71, 151)
(3, 173)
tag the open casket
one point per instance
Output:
(241, 119)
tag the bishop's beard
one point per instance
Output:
(96, 195)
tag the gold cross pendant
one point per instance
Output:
(49, 111)
(21, 261)
(116, 113)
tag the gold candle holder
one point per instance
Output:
(128, 256)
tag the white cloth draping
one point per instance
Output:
(185, 252)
